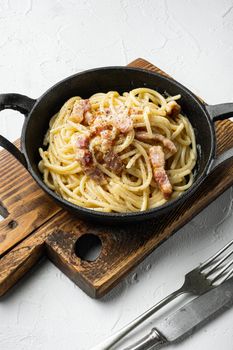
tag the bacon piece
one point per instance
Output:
(100, 123)
(113, 162)
(120, 120)
(103, 143)
(158, 163)
(106, 140)
(143, 136)
(80, 108)
(96, 175)
(85, 158)
(86, 105)
(88, 118)
(83, 141)
(123, 122)
(107, 137)
(173, 109)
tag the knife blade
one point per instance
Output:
(188, 318)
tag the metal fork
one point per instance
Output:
(197, 282)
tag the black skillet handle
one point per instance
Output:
(220, 112)
(24, 105)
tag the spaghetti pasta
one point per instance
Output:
(119, 153)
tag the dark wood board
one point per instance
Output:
(34, 226)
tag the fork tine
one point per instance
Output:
(213, 257)
(227, 276)
(223, 269)
(217, 264)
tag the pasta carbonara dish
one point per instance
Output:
(119, 153)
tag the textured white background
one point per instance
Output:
(43, 41)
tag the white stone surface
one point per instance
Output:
(42, 42)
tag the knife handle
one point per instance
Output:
(153, 339)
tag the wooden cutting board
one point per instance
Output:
(34, 226)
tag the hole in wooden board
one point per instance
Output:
(12, 224)
(88, 247)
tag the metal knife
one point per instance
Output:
(188, 318)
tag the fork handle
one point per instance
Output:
(113, 339)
